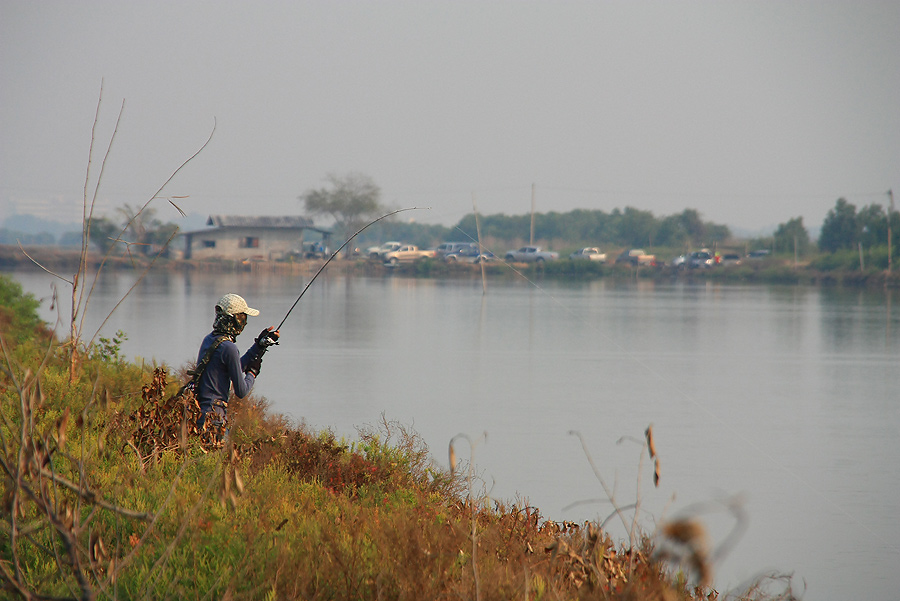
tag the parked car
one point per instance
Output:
(469, 254)
(701, 259)
(758, 254)
(378, 252)
(531, 254)
(730, 259)
(591, 253)
(446, 248)
(635, 257)
(407, 253)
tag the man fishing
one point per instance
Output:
(221, 365)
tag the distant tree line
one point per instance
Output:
(621, 227)
(629, 227)
(14, 236)
(354, 199)
(846, 228)
(31, 230)
(140, 230)
(136, 229)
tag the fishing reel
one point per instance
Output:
(267, 338)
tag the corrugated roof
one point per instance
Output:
(271, 221)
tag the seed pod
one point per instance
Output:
(452, 459)
(650, 444)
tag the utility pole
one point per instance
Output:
(480, 258)
(890, 194)
(795, 251)
(531, 241)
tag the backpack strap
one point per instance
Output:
(198, 371)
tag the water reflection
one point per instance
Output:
(859, 320)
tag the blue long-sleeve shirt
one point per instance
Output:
(225, 369)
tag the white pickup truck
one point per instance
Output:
(378, 252)
(636, 257)
(530, 254)
(591, 253)
(407, 254)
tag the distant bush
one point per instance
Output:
(848, 259)
(18, 312)
(576, 268)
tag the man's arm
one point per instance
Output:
(252, 359)
(241, 382)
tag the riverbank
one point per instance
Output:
(115, 496)
(64, 261)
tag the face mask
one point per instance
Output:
(231, 325)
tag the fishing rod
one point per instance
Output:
(335, 253)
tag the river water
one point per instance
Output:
(780, 401)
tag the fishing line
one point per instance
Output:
(335, 253)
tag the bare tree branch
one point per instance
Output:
(36, 262)
(91, 497)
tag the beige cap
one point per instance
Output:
(232, 304)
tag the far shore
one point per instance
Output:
(64, 261)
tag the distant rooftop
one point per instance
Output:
(271, 221)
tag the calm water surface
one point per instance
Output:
(785, 398)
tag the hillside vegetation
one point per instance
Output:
(109, 494)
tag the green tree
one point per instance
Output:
(716, 232)
(840, 228)
(143, 229)
(350, 200)
(872, 221)
(636, 227)
(104, 233)
(138, 223)
(693, 225)
(587, 227)
(688, 229)
(18, 311)
(671, 232)
(789, 232)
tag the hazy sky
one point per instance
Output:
(751, 112)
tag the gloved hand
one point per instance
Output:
(267, 337)
(254, 364)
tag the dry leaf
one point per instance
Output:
(238, 481)
(61, 425)
(650, 444)
(452, 459)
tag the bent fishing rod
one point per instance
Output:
(335, 253)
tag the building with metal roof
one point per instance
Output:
(255, 238)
